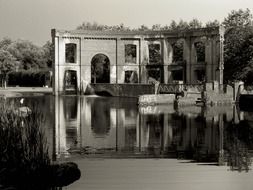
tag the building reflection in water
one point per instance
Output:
(116, 127)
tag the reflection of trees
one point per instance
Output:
(238, 143)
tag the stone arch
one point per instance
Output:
(100, 69)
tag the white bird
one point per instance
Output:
(22, 101)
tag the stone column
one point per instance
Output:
(208, 59)
(56, 66)
(117, 59)
(61, 62)
(187, 58)
(143, 60)
(221, 52)
(167, 60)
(193, 62)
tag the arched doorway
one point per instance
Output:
(100, 69)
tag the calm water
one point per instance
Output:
(117, 127)
(96, 127)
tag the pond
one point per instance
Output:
(100, 133)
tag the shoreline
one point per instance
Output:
(21, 91)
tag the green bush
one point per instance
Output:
(28, 78)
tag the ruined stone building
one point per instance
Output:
(84, 57)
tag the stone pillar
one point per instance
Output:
(113, 68)
(221, 52)
(208, 60)
(187, 58)
(56, 66)
(85, 64)
(167, 59)
(193, 62)
(61, 62)
(117, 59)
(143, 60)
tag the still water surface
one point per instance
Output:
(89, 127)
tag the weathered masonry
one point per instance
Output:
(84, 57)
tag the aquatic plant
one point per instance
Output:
(23, 146)
(24, 157)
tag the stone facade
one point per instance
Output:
(87, 44)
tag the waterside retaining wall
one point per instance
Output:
(211, 94)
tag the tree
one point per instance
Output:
(156, 27)
(182, 25)
(173, 25)
(195, 23)
(237, 46)
(29, 55)
(238, 18)
(5, 43)
(7, 64)
(214, 23)
(100, 27)
(143, 28)
(48, 54)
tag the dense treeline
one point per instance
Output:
(181, 25)
(24, 57)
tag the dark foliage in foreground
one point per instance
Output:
(24, 158)
(23, 147)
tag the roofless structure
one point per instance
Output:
(185, 56)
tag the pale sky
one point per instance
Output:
(33, 19)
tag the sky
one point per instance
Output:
(33, 19)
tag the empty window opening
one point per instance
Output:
(200, 75)
(178, 51)
(131, 77)
(200, 51)
(130, 53)
(155, 74)
(70, 53)
(70, 80)
(154, 53)
(177, 75)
